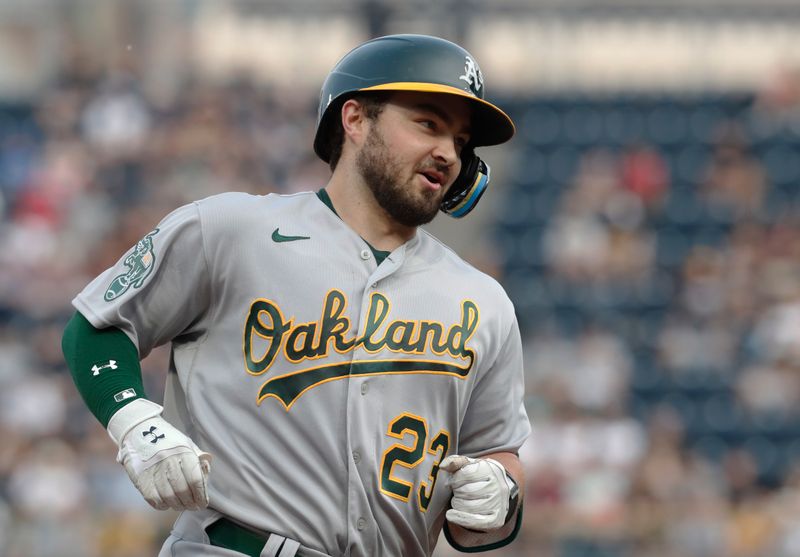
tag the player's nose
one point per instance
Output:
(445, 151)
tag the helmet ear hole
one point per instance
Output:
(468, 187)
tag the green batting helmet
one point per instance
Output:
(410, 63)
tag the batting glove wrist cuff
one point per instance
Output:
(131, 415)
(513, 490)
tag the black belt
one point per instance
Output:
(226, 533)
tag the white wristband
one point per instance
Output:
(129, 416)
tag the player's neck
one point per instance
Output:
(357, 207)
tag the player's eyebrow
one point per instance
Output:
(442, 114)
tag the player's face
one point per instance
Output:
(411, 155)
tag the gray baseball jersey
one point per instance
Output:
(327, 387)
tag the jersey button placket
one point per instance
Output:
(358, 496)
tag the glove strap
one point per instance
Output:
(513, 491)
(129, 416)
(513, 497)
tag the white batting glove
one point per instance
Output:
(167, 468)
(481, 492)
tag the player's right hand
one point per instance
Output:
(481, 492)
(165, 465)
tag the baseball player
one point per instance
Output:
(340, 383)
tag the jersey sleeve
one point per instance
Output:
(158, 290)
(496, 420)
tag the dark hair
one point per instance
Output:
(373, 104)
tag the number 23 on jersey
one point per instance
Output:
(411, 456)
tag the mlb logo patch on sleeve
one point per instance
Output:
(124, 395)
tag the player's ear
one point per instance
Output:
(354, 121)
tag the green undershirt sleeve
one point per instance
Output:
(105, 366)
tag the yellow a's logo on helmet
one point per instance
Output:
(473, 76)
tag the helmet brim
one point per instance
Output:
(490, 125)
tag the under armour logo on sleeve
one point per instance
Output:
(111, 364)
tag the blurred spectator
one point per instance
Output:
(48, 482)
(697, 523)
(598, 234)
(592, 371)
(769, 389)
(34, 406)
(751, 527)
(600, 375)
(734, 180)
(116, 120)
(775, 331)
(576, 243)
(744, 252)
(704, 282)
(645, 174)
(778, 102)
(786, 515)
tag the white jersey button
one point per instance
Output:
(364, 254)
(364, 388)
(356, 457)
(361, 523)
(374, 285)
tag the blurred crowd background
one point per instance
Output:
(644, 221)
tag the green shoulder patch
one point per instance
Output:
(139, 263)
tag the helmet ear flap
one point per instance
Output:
(468, 187)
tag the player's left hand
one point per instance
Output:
(480, 492)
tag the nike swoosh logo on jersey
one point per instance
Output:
(278, 237)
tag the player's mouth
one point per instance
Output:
(433, 178)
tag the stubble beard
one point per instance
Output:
(383, 175)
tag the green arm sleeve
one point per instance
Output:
(105, 366)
